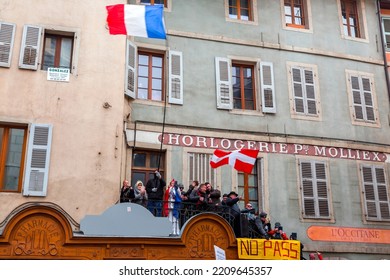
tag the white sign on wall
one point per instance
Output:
(58, 74)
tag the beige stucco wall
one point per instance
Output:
(86, 156)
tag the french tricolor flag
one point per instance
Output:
(136, 20)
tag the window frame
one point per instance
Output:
(361, 21)
(242, 66)
(151, 55)
(305, 115)
(147, 170)
(167, 4)
(386, 34)
(4, 149)
(315, 198)
(353, 114)
(375, 204)
(253, 11)
(57, 56)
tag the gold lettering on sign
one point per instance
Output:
(203, 237)
(37, 236)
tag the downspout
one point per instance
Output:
(383, 47)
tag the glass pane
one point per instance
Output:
(136, 176)
(244, 3)
(139, 159)
(233, 13)
(66, 52)
(157, 72)
(157, 95)
(154, 160)
(143, 82)
(14, 156)
(143, 59)
(248, 94)
(49, 53)
(240, 179)
(142, 94)
(157, 84)
(157, 61)
(386, 23)
(142, 71)
(249, 105)
(253, 194)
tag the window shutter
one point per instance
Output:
(175, 77)
(314, 189)
(38, 157)
(298, 91)
(310, 92)
(224, 85)
(7, 34)
(375, 193)
(131, 69)
(267, 87)
(368, 99)
(357, 98)
(29, 50)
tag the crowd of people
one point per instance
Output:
(178, 205)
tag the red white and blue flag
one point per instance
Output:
(242, 160)
(136, 20)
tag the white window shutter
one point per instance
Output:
(224, 84)
(131, 69)
(298, 90)
(267, 87)
(7, 34)
(38, 158)
(175, 84)
(29, 50)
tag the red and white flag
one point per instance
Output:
(242, 160)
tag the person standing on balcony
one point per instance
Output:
(155, 191)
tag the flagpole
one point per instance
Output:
(162, 133)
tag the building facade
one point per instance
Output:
(304, 82)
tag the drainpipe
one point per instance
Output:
(383, 47)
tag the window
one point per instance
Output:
(146, 77)
(315, 198)
(362, 100)
(304, 91)
(375, 193)
(243, 87)
(237, 88)
(294, 11)
(12, 150)
(352, 19)
(57, 48)
(250, 187)
(199, 169)
(7, 34)
(15, 171)
(386, 31)
(150, 76)
(144, 165)
(240, 9)
(57, 51)
(154, 2)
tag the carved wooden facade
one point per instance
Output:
(42, 232)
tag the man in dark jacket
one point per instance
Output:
(155, 190)
(235, 211)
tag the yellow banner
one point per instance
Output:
(263, 249)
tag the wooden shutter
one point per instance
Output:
(38, 157)
(131, 69)
(175, 77)
(375, 193)
(357, 98)
(267, 87)
(368, 98)
(7, 34)
(223, 82)
(298, 90)
(29, 50)
(310, 93)
(314, 189)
